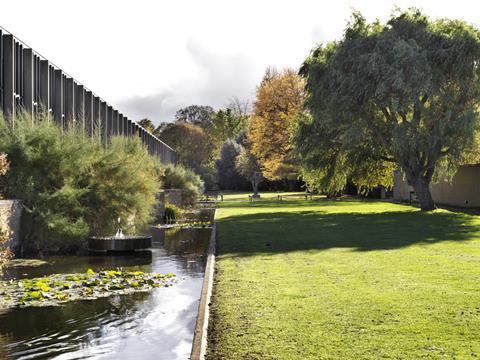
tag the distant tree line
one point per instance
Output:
(401, 95)
(241, 147)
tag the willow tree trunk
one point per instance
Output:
(422, 190)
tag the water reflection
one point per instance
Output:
(156, 325)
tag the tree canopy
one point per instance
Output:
(147, 124)
(200, 115)
(228, 124)
(400, 94)
(279, 99)
(193, 146)
(228, 176)
(247, 165)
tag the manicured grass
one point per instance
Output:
(344, 280)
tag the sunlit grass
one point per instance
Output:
(344, 279)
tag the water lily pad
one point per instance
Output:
(59, 288)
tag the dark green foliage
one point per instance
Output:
(147, 124)
(227, 175)
(72, 186)
(172, 214)
(179, 177)
(405, 93)
(199, 115)
(246, 164)
(228, 124)
(123, 185)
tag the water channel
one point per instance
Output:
(155, 325)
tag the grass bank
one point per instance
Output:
(320, 279)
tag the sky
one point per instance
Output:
(149, 58)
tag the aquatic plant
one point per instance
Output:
(172, 214)
(60, 288)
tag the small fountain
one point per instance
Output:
(119, 233)
(119, 242)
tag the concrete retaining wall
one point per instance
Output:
(462, 191)
(10, 215)
(160, 206)
(173, 197)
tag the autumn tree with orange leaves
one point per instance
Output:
(279, 99)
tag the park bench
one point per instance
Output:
(307, 196)
(213, 195)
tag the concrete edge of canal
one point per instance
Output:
(200, 337)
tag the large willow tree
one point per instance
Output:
(404, 93)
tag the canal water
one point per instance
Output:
(155, 325)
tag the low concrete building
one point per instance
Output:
(462, 191)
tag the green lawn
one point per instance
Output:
(344, 280)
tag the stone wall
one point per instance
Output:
(173, 197)
(462, 191)
(160, 206)
(170, 196)
(10, 215)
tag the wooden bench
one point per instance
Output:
(214, 195)
(307, 196)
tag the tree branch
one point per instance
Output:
(388, 159)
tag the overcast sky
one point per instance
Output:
(149, 58)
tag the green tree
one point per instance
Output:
(147, 124)
(247, 165)
(405, 92)
(193, 146)
(179, 177)
(226, 124)
(197, 115)
(228, 177)
(162, 126)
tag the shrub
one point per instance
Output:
(123, 184)
(72, 186)
(5, 253)
(178, 177)
(4, 165)
(228, 177)
(172, 214)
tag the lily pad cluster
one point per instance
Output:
(189, 225)
(60, 288)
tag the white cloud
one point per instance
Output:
(217, 79)
(148, 58)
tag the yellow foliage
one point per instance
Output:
(279, 99)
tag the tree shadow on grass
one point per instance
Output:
(279, 232)
(296, 202)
